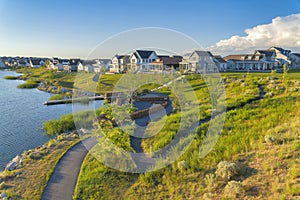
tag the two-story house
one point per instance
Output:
(140, 60)
(120, 63)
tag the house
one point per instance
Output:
(249, 62)
(91, 66)
(74, 63)
(105, 64)
(295, 60)
(220, 62)
(36, 63)
(171, 61)
(200, 62)
(23, 62)
(140, 60)
(119, 63)
(2, 64)
(282, 55)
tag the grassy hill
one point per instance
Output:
(260, 141)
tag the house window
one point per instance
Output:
(133, 60)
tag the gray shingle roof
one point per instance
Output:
(204, 53)
(144, 54)
(219, 59)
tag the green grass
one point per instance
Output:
(11, 77)
(29, 84)
(35, 173)
(242, 138)
(97, 182)
(57, 97)
(69, 122)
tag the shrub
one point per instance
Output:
(51, 143)
(210, 181)
(10, 77)
(57, 97)
(2, 185)
(270, 139)
(208, 196)
(234, 189)
(182, 165)
(29, 84)
(226, 170)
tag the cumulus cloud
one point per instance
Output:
(283, 31)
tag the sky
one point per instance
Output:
(75, 28)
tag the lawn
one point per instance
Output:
(268, 168)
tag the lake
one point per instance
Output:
(22, 116)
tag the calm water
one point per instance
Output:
(22, 114)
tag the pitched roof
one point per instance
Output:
(144, 54)
(244, 57)
(268, 53)
(105, 61)
(89, 62)
(123, 56)
(170, 60)
(219, 59)
(203, 53)
(74, 61)
(35, 61)
(296, 54)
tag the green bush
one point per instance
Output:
(57, 97)
(11, 77)
(29, 84)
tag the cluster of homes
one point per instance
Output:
(200, 62)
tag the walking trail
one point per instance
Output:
(63, 181)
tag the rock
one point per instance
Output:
(14, 163)
(3, 195)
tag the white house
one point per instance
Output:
(295, 60)
(140, 60)
(249, 62)
(282, 55)
(119, 63)
(201, 62)
(221, 63)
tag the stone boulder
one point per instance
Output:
(15, 163)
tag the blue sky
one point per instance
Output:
(68, 28)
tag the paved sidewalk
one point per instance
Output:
(63, 181)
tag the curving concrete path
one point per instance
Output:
(63, 181)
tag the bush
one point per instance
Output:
(234, 189)
(270, 139)
(2, 185)
(29, 84)
(182, 165)
(11, 77)
(57, 97)
(226, 170)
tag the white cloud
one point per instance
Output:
(283, 31)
